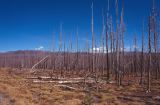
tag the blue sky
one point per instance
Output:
(29, 24)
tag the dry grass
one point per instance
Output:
(16, 90)
(23, 92)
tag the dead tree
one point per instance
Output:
(142, 56)
(152, 44)
(77, 54)
(107, 52)
(107, 41)
(150, 57)
(135, 56)
(122, 30)
(154, 29)
(118, 72)
(111, 46)
(60, 50)
(93, 40)
(103, 32)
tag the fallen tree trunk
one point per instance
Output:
(66, 87)
(60, 82)
(66, 81)
(45, 77)
(38, 63)
(40, 81)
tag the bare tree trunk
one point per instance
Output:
(103, 32)
(150, 58)
(93, 40)
(117, 47)
(77, 56)
(142, 57)
(107, 55)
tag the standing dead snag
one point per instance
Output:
(94, 51)
(112, 46)
(107, 48)
(142, 56)
(60, 50)
(149, 54)
(103, 32)
(118, 72)
(152, 43)
(64, 58)
(122, 30)
(77, 56)
(135, 56)
(154, 25)
(93, 41)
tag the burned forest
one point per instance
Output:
(95, 71)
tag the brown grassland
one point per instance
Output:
(15, 89)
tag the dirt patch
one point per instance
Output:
(5, 100)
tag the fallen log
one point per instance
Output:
(66, 81)
(66, 87)
(60, 82)
(39, 81)
(38, 63)
(45, 77)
